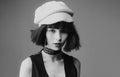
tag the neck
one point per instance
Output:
(51, 51)
(51, 58)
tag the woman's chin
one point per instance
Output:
(56, 48)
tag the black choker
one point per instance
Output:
(50, 51)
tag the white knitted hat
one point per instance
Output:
(52, 12)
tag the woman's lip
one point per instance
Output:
(58, 44)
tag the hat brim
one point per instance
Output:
(56, 17)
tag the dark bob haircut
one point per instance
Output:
(38, 36)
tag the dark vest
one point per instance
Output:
(38, 68)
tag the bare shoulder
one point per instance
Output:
(25, 68)
(77, 65)
(27, 63)
(76, 61)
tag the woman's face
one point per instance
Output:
(55, 38)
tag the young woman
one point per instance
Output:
(56, 33)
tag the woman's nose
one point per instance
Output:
(58, 36)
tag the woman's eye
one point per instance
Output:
(52, 30)
(63, 31)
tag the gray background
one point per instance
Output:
(97, 22)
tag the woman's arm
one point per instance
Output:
(26, 68)
(77, 65)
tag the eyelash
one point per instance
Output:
(52, 30)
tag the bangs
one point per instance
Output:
(64, 26)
